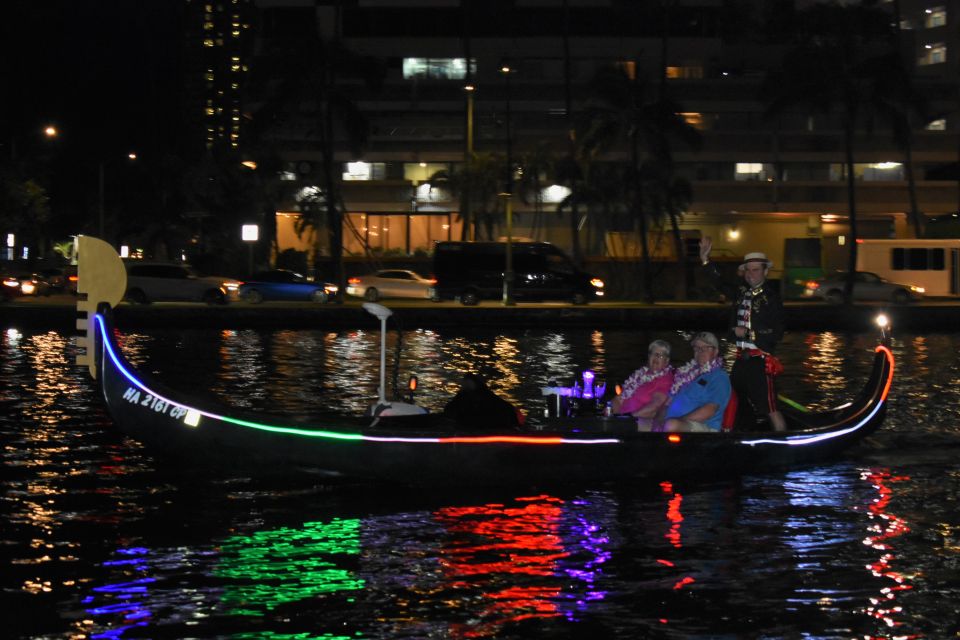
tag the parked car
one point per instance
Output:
(866, 286)
(281, 284)
(390, 283)
(16, 285)
(165, 282)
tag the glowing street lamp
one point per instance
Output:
(250, 233)
(508, 200)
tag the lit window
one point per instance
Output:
(937, 125)
(753, 171)
(933, 54)
(436, 68)
(688, 72)
(365, 171)
(693, 119)
(554, 193)
(208, 42)
(935, 17)
(629, 68)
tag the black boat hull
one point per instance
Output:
(427, 450)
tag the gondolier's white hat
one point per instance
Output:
(756, 257)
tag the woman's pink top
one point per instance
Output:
(644, 393)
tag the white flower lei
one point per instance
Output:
(640, 377)
(690, 372)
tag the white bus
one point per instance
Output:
(932, 264)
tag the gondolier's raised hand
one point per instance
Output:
(706, 244)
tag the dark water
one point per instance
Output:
(100, 540)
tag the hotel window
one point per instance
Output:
(420, 172)
(935, 17)
(694, 119)
(436, 68)
(365, 171)
(688, 72)
(933, 54)
(869, 172)
(753, 171)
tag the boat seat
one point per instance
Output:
(730, 413)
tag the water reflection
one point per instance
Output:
(833, 551)
(498, 564)
(884, 529)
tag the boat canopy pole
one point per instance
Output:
(383, 313)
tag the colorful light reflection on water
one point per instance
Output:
(97, 540)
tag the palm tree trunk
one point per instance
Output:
(916, 217)
(639, 215)
(852, 207)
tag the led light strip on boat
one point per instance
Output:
(191, 416)
(801, 439)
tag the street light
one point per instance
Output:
(467, 162)
(508, 200)
(250, 233)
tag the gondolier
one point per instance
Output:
(756, 325)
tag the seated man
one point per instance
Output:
(477, 407)
(700, 391)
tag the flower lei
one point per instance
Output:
(690, 372)
(640, 377)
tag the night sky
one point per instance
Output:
(105, 72)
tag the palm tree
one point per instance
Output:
(838, 65)
(304, 75)
(479, 182)
(628, 106)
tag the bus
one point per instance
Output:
(933, 264)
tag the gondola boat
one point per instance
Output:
(428, 450)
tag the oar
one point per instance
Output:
(792, 403)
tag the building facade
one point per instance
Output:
(508, 79)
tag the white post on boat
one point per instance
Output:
(383, 313)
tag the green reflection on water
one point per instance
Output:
(270, 568)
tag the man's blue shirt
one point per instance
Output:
(711, 387)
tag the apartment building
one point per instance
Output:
(509, 78)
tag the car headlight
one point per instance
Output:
(331, 288)
(597, 283)
(917, 289)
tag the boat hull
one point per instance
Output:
(428, 450)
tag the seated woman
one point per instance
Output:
(700, 391)
(647, 390)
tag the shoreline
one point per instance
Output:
(59, 312)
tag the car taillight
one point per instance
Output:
(353, 281)
(813, 284)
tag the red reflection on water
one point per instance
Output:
(675, 518)
(886, 527)
(504, 541)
